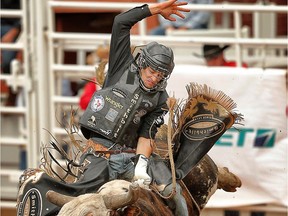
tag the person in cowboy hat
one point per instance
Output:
(214, 56)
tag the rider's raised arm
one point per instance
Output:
(168, 8)
(120, 45)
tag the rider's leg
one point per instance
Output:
(34, 189)
(177, 203)
(121, 166)
(162, 180)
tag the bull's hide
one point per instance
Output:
(120, 197)
(117, 197)
(202, 180)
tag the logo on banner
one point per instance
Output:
(262, 138)
(265, 138)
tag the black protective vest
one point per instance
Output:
(116, 112)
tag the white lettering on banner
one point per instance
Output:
(257, 151)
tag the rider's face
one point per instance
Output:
(151, 77)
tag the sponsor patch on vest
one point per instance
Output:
(147, 103)
(114, 103)
(125, 116)
(119, 93)
(106, 132)
(92, 121)
(138, 116)
(111, 115)
(31, 203)
(203, 127)
(97, 103)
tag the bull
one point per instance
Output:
(120, 197)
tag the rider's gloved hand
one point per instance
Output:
(140, 174)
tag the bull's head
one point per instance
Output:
(111, 196)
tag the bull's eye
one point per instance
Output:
(125, 189)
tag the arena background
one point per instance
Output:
(55, 44)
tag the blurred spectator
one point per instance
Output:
(10, 31)
(101, 54)
(88, 91)
(193, 20)
(214, 56)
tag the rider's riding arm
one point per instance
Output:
(143, 152)
(144, 146)
(149, 127)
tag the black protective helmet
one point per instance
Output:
(160, 58)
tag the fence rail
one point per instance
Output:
(125, 6)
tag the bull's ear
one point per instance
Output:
(57, 198)
(120, 200)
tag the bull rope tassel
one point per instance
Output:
(99, 74)
(171, 103)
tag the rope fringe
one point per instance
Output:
(195, 89)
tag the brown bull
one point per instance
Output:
(117, 197)
(120, 197)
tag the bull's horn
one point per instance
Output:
(227, 180)
(118, 201)
(57, 198)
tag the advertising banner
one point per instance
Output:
(257, 150)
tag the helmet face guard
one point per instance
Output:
(160, 58)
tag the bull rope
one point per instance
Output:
(172, 102)
(171, 105)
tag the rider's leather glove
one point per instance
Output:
(141, 170)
